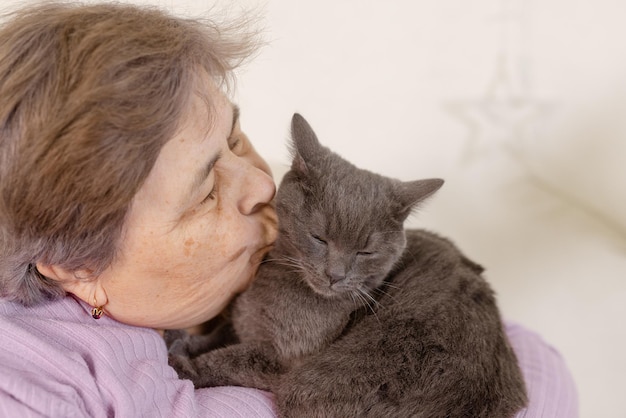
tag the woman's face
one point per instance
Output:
(198, 227)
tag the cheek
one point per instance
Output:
(364, 267)
(214, 243)
(203, 246)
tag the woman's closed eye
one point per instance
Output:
(209, 197)
(236, 145)
(233, 144)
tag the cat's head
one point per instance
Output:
(342, 226)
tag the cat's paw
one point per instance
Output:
(198, 372)
(178, 348)
(183, 366)
(176, 341)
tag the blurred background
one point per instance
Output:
(518, 104)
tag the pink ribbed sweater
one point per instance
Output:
(57, 361)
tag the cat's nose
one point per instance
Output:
(335, 276)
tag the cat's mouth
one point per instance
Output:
(342, 287)
(325, 288)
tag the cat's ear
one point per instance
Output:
(411, 193)
(304, 144)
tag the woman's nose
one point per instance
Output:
(257, 189)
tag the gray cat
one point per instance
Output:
(352, 316)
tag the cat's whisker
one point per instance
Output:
(389, 285)
(371, 298)
(291, 267)
(278, 261)
(363, 301)
(295, 263)
(301, 263)
(384, 292)
(357, 296)
(356, 304)
(387, 294)
(364, 297)
(288, 263)
(273, 260)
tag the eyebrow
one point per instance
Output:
(205, 171)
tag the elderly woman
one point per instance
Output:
(131, 202)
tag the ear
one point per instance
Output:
(80, 283)
(304, 144)
(413, 192)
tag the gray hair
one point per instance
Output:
(89, 94)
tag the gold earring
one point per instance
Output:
(97, 311)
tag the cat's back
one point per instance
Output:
(433, 268)
(435, 288)
(438, 291)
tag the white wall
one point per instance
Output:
(518, 104)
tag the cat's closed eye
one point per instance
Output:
(364, 253)
(318, 239)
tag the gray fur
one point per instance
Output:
(352, 316)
